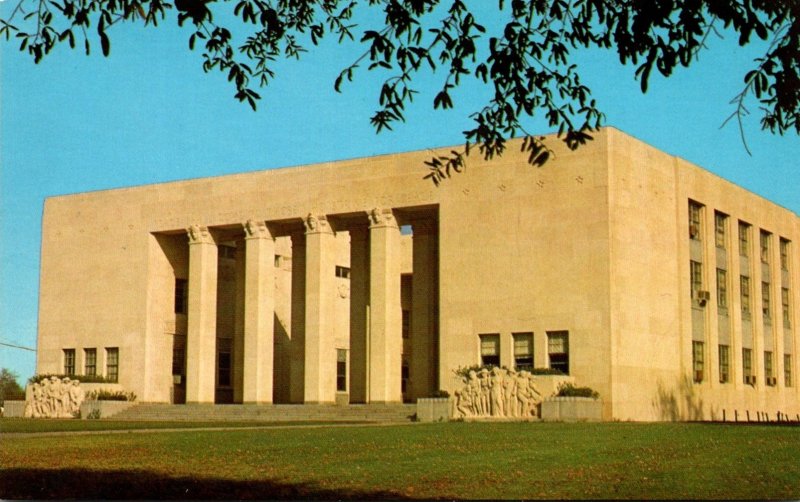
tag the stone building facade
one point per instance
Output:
(667, 289)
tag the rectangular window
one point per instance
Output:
(224, 346)
(490, 350)
(112, 364)
(696, 271)
(558, 350)
(90, 362)
(724, 364)
(765, 303)
(523, 351)
(69, 361)
(341, 370)
(720, 226)
(404, 374)
(747, 367)
(744, 239)
(769, 377)
(787, 322)
(764, 241)
(697, 360)
(181, 296)
(722, 289)
(784, 254)
(744, 288)
(787, 370)
(695, 220)
(406, 323)
(343, 272)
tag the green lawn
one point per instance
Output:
(456, 460)
(71, 425)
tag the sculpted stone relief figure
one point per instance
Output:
(54, 398)
(501, 393)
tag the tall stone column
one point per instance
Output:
(359, 300)
(201, 337)
(259, 312)
(298, 319)
(423, 309)
(384, 342)
(320, 356)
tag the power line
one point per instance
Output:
(17, 346)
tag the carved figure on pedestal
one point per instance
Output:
(486, 407)
(496, 391)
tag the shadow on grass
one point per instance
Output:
(28, 483)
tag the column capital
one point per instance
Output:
(256, 229)
(199, 235)
(382, 217)
(317, 224)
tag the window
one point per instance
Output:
(747, 367)
(341, 370)
(784, 254)
(744, 239)
(558, 350)
(765, 305)
(744, 283)
(490, 350)
(343, 272)
(112, 364)
(724, 364)
(720, 224)
(181, 296)
(224, 362)
(787, 370)
(769, 378)
(69, 361)
(764, 241)
(406, 323)
(227, 252)
(523, 351)
(404, 374)
(90, 360)
(695, 228)
(178, 356)
(787, 322)
(722, 289)
(696, 271)
(697, 361)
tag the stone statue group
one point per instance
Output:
(54, 397)
(500, 392)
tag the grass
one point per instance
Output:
(455, 460)
(26, 425)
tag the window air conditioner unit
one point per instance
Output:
(771, 381)
(698, 376)
(702, 297)
(750, 380)
(694, 231)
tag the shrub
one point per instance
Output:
(81, 378)
(94, 414)
(569, 390)
(546, 371)
(110, 395)
(441, 393)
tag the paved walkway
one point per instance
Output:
(14, 435)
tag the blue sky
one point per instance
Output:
(149, 114)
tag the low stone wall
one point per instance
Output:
(572, 409)
(13, 409)
(434, 409)
(104, 409)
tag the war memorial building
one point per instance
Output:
(667, 289)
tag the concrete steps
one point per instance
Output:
(269, 413)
